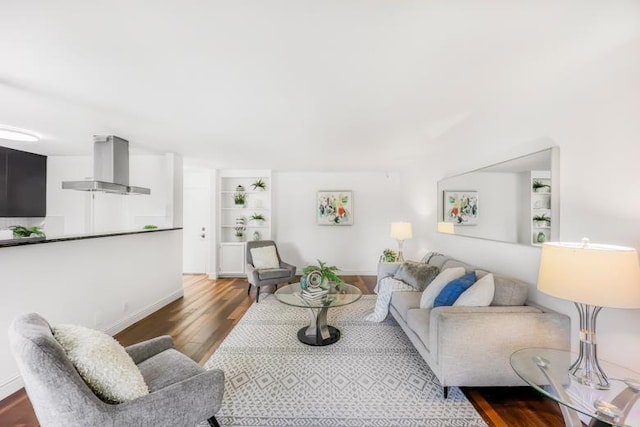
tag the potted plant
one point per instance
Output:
(240, 232)
(320, 275)
(258, 218)
(20, 231)
(389, 255)
(240, 198)
(538, 186)
(259, 185)
(542, 220)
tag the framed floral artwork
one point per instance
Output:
(460, 207)
(334, 208)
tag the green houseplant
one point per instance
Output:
(389, 255)
(259, 185)
(240, 232)
(21, 231)
(320, 275)
(257, 217)
(149, 227)
(538, 185)
(542, 220)
(240, 198)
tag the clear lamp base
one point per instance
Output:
(586, 369)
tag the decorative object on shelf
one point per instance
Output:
(539, 186)
(240, 220)
(334, 208)
(401, 231)
(149, 227)
(460, 207)
(593, 276)
(541, 237)
(256, 235)
(239, 188)
(240, 198)
(389, 255)
(258, 218)
(240, 229)
(259, 184)
(319, 275)
(542, 220)
(22, 231)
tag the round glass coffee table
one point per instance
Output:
(547, 371)
(318, 332)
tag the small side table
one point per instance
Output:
(546, 370)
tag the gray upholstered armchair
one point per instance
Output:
(181, 393)
(270, 276)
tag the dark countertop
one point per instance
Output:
(38, 240)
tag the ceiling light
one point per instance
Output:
(15, 134)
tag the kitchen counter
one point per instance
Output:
(38, 240)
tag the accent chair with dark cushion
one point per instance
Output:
(280, 273)
(181, 393)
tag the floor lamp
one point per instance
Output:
(401, 231)
(593, 276)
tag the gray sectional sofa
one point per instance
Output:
(471, 346)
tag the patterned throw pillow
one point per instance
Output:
(454, 289)
(416, 274)
(102, 363)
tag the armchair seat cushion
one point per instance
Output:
(166, 368)
(273, 273)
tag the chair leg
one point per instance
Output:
(445, 392)
(276, 285)
(249, 289)
(213, 422)
(257, 293)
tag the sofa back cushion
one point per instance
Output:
(416, 274)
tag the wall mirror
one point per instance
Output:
(514, 201)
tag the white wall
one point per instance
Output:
(78, 282)
(592, 115)
(377, 202)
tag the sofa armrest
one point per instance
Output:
(386, 269)
(472, 345)
(143, 350)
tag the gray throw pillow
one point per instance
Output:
(416, 274)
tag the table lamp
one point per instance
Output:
(593, 276)
(401, 231)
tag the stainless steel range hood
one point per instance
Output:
(110, 168)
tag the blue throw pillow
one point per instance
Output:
(450, 293)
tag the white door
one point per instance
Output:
(196, 242)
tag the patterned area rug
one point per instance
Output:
(373, 376)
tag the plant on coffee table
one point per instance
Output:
(322, 272)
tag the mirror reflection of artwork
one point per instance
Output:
(461, 207)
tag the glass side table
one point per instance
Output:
(318, 332)
(546, 370)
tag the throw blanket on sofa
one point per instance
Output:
(387, 287)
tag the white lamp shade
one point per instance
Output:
(401, 230)
(600, 275)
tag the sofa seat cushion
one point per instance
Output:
(403, 301)
(273, 273)
(166, 368)
(418, 321)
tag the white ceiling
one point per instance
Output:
(285, 84)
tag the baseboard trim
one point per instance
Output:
(123, 324)
(10, 386)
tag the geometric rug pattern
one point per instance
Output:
(372, 376)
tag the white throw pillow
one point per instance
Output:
(102, 363)
(265, 257)
(433, 289)
(480, 294)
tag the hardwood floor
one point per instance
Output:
(210, 309)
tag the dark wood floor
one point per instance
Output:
(210, 309)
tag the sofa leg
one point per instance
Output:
(445, 391)
(249, 289)
(213, 422)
